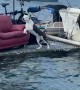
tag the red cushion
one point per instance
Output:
(9, 35)
(5, 23)
(19, 27)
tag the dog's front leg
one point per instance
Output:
(25, 31)
(38, 41)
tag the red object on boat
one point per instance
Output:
(11, 35)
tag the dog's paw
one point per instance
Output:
(48, 47)
(39, 47)
(25, 32)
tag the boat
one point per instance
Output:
(57, 28)
(71, 22)
(53, 23)
(50, 11)
(71, 25)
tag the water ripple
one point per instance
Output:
(40, 73)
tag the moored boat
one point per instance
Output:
(71, 23)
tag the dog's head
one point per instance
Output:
(26, 18)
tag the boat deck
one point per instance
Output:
(29, 49)
(55, 29)
(55, 46)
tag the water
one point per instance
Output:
(31, 72)
(73, 3)
(40, 72)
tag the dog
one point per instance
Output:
(32, 28)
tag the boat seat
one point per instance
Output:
(58, 25)
(4, 4)
(11, 35)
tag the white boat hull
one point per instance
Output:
(71, 27)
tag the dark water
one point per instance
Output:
(40, 72)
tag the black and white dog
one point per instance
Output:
(32, 28)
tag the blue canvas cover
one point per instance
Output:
(44, 14)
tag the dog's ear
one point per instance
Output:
(28, 15)
(25, 13)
